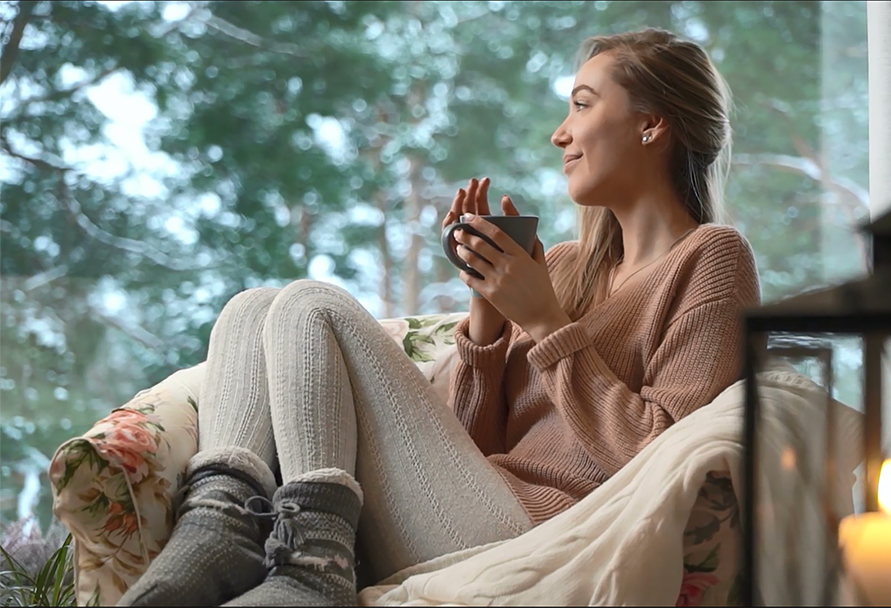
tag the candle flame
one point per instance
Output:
(787, 459)
(885, 487)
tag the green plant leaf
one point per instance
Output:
(53, 584)
(94, 599)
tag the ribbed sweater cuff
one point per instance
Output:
(478, 356)
(564, 342)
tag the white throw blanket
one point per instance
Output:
(623, 544)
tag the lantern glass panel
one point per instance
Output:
(809, 471)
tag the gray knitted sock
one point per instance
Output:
(310, 551)
(215, 552)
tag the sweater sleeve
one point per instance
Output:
(476, 394)
(697, 358)
(476, 391)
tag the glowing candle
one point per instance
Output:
(866, 544)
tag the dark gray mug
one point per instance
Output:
(521, 228)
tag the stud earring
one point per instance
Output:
(646, 138)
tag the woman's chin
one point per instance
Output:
(586, 198)
(591, 194)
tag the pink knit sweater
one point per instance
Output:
(560, 417)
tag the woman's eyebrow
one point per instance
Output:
(582, 87)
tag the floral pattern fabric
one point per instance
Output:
(711, 546)
(113, 487)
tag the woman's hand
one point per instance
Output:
(473, 200)
(486, 323)
(515, 283)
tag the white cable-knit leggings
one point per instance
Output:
(307, 376)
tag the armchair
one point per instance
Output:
(114, 486)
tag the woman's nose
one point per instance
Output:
(561, 137)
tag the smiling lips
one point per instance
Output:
(569, 161)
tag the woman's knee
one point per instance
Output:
(312, 288)
(249, 305)
(308, 297)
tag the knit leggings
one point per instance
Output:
(305, 376)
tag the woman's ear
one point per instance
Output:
(653, 129)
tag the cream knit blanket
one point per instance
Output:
(623, 544)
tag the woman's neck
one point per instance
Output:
(651, 226)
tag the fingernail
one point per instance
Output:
(469, 217)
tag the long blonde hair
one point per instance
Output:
(674, 79)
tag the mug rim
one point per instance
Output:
(522, 216)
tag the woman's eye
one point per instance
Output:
(578, 105)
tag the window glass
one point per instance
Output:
(158, 157)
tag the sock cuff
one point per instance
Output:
(332, 475)
(238, 458)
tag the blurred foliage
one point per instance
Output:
(159, 157)
(36, 568)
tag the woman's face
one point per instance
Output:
(603, 155)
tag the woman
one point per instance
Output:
(569, 364)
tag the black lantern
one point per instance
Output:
(810, 331)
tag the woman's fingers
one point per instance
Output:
(482, 197)
(475, 247)
(458, 201)
(495, 242)
(475, 199)
(457, 208)
(449, 219)
(538, 253)
(507, 206)
(470, 199)
(473, 259)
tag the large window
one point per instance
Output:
(158, 157)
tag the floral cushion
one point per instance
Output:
(113, 486)
(711, 546)
(429, 341)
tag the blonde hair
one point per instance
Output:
(676, 80)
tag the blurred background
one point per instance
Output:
(158, 157)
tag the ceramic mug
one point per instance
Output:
(521, 228)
